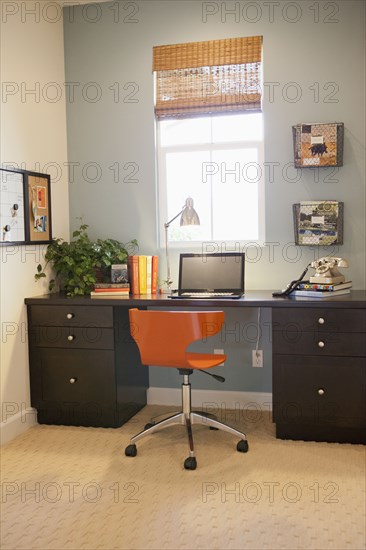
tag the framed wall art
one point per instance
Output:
(318, 144)
(318, 223)
(25, 214)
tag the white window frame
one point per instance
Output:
(162, 194)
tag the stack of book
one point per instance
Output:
(103, 290)
(321, 290)
(143, 274)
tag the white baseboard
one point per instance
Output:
(212, 399)
(17, 424)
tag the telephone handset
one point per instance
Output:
(293, 285)
(326, 271)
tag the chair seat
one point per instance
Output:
(204, 360)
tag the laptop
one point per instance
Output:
(219, 275)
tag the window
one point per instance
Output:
(218, 161)
(210, 138)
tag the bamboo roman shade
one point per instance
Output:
(208, 77)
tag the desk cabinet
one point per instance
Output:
(84, 366)
(319, 374)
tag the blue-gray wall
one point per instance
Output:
(314, 71)
(238, 338)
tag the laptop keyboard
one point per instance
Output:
(206, 294)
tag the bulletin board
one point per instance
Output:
(39, 208)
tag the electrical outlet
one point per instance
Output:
(257, 358)
(219, 352)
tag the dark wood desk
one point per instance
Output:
(84, 364)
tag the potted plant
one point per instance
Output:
(80, 263)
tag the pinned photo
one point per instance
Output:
(40, 224)
(41, 197)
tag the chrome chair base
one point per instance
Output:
(188, 418)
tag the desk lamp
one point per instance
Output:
(188, 217)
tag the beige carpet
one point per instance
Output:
(70, 488)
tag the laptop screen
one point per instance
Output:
(222, 272)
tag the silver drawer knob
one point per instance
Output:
(70, 338)
(321, 321)
(73, 380)
(321, 391)
(69, 315)
(321, 344)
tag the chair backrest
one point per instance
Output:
(163, 336)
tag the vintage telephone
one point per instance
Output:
(326, 271)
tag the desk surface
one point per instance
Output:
(252, 298)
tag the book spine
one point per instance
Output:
(115, 290)
(314, 286)
(142, 274)
(111, 285)
(308, 293)
(133, 263)
(109, 293)
(154, 274)
(148, 274)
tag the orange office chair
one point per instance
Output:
(163, 338)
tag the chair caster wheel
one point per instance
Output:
(131, 450)
(242, 446)
(190, 463)
(149, 425)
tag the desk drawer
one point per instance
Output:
(319, 390)
(72, 337)
(82, 376)
(320, 319)
(315, 343)
(71, 315)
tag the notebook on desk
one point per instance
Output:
(208, 276)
